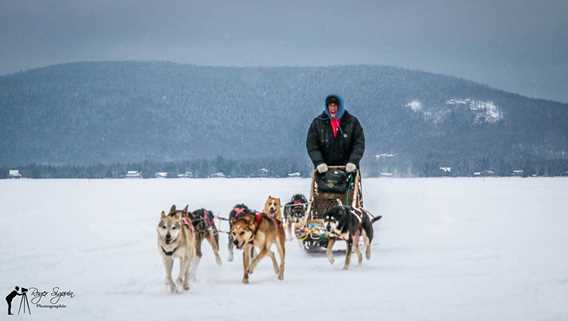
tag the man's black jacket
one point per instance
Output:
(347, 147)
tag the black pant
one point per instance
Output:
(9, 306)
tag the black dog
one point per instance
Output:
(294, 211)
(349, 224)
(236, 212)
(203, 222)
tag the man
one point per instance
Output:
(10, 297)
(335, 138)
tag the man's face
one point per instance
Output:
(332, 108)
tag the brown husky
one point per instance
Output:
(273, 207)
(255, 229)
(176, 238)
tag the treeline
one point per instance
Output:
(279, 167)
(479, 166)
(196, 168)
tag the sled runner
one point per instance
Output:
(325, 192)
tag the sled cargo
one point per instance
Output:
(311, 231)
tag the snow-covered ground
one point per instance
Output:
(446, 249)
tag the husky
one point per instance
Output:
(349, 224)
(205, 229)
(235, 213)
(176, 239)
(273, 207)
(294, 212)
(255, 229)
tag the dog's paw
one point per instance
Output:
(245, 281)
(346, 268)
(230, 258)
(331, 259)
(186, 286)
(218, 260)
(173, 288)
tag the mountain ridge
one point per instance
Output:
(93, 112)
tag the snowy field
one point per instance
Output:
(446, 249)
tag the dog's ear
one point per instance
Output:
(173, 209)
(339, 202)
(163, 214)
(186, 208)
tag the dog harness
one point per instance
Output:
(207, 216)
(357, 214)
(187, 222)
(258, 218)
(169, 253)
(238, 211)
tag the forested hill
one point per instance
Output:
(102, 112)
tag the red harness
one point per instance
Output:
(238, 211)
(207, 216)
(257, 218)
(187, 222)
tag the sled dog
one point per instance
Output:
(349, 224)
(259, 230)
(273, 207)
(294, 211)
(236, 212)
(176, 239)
(205, 229)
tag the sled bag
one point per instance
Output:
(333, 181)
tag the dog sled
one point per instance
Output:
(326, 191)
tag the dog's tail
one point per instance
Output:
(372, 217)
(376, 218)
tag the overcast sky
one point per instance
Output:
(516, 45)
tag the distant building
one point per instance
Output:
(14, 173)
(262, 172)
(294, 174)
(385, 155)
(187, 174)
(133, 174)
(385, 174)
(161, 175)
(217, 175)
(488, 172)
(445, 171)
(476, 174)
(518, 172)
